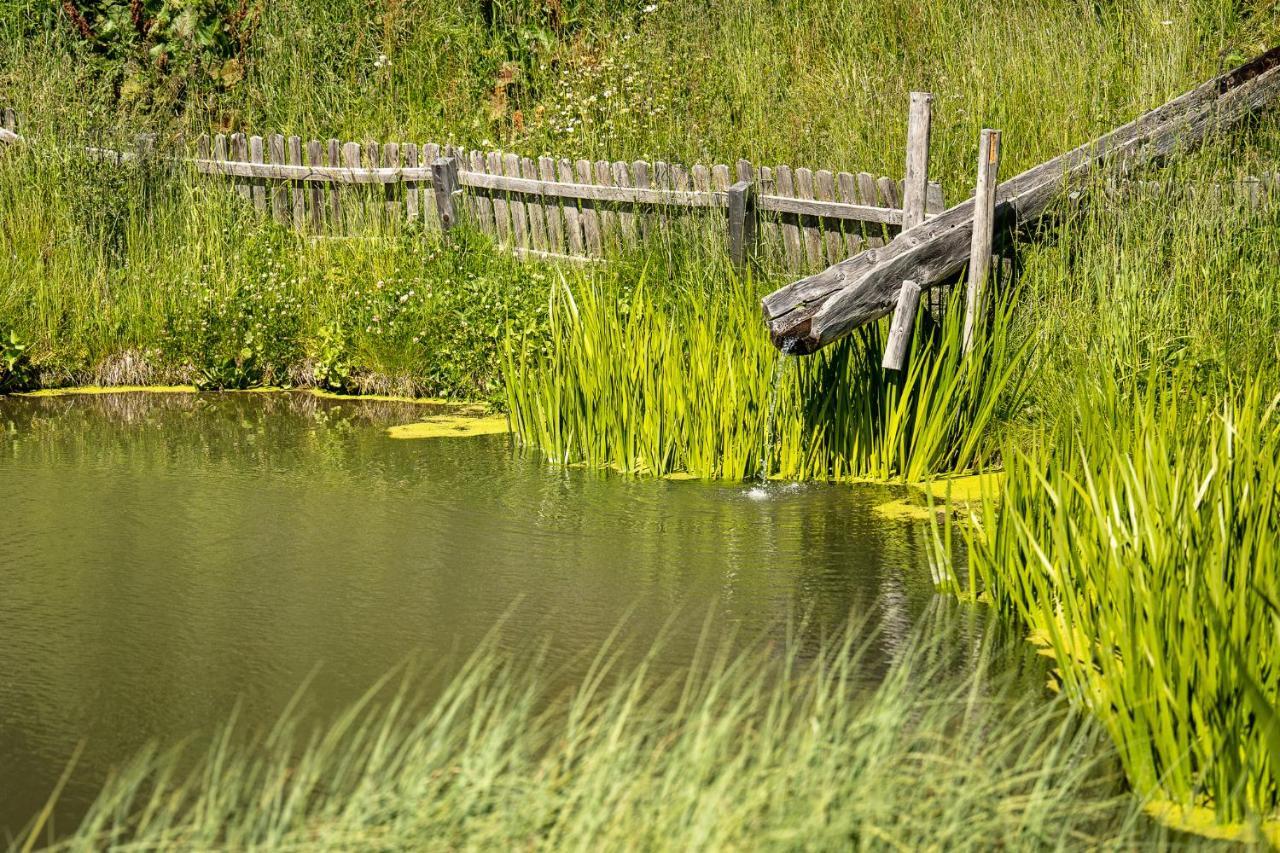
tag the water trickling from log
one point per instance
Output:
(780, 367)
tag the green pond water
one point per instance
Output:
(165, 557)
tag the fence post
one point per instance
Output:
(916, 184)
(10, 120)
(444, 179)
(984, 207)
(904, 319)
(742, 223)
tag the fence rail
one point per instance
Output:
(553, 207)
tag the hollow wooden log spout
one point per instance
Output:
(810, 313)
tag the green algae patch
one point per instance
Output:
(958, 493)
(452, 426)
(966, 489)
(109, 389)
(905, 510)
(1200, 820)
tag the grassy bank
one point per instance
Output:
(1137, 360)
(747, 747)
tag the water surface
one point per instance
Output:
(165, 557)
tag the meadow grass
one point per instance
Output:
(764, 743)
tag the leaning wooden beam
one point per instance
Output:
(815, 311)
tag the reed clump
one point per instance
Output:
(1140, 548)
(686, 383)
(771, 744)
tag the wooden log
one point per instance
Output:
(980, 245)
(444, 179)
(812, 312)
(742, 224)
(904, 320)
(916, 180)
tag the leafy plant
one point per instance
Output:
(16, 372)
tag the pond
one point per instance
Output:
(167, 557)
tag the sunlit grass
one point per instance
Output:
(689, 384)
(771, 745)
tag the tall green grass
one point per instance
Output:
(1140, 546)
(660, 384)
(772, 746)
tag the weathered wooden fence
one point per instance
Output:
(799, 218)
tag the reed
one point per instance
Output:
(686, 384)
(1139, 545)
(764, 743)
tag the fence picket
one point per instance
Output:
(867, 194)
(515, 203)
(501, 215)
(315, 157)
(626, 217)
(293, 154)
(825, 190)
(640, 177)
(853, 239)
(279, 195)
(391, 192)
(590, 216)
(351, 160)
(790, 231)
(259, 185)
(535, 208)
(333, 152)
(812, 232)
(572, 215)
(551, 209)
(608, 216)
(410, 151)
(481, 205)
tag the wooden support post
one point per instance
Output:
(984, 207)
(904, 320)
(444, 178)
(742, 223)
(916, 186)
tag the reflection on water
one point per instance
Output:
(163, 557)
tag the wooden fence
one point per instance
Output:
(557, 208)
